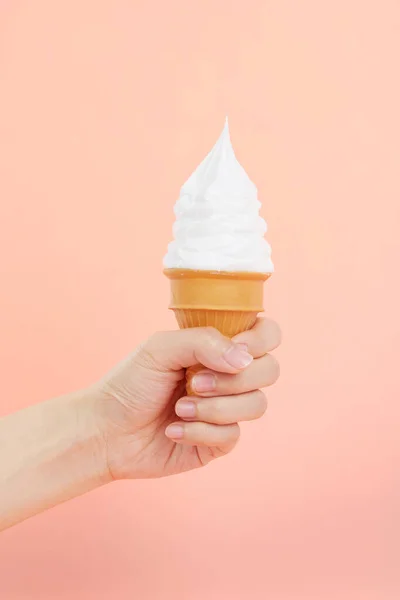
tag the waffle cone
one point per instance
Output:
(229, 302)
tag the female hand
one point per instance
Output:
(152, 429)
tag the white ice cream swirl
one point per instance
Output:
(218, 226)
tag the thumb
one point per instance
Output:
(176, 350)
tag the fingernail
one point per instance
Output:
(237, 357)
(185, 409)
(204, 382)
(174, 432)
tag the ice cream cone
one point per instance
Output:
(227, 301)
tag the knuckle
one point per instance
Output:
(261, 403)
(232, 384)
(271, 333)
(274, 368)
(148, 350)
(235, 432)
(276, 333)
(210, 335)
(155, 340)
(212, 410)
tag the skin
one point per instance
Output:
(137, 422)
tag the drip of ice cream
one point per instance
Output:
(218, 226)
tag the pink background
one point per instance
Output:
(105, 108)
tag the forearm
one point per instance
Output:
(49, 453)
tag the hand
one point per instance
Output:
(152, 429)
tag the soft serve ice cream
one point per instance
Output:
(218, 226)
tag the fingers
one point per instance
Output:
(204, 434)
(261, 373)
(175, 350)
(223, 410)
(264, 337)
(213, 422)
(228, 388)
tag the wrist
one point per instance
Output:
(92, 436)
(52, 452)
